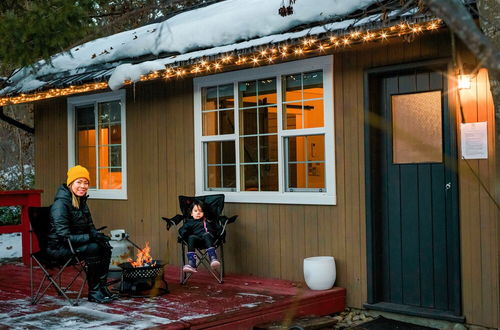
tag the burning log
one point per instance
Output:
(143, 259)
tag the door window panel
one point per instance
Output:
(417, 128)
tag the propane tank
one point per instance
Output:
(122, 248)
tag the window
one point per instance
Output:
(265, 135)
(96, 140)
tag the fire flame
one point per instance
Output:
(143, 258)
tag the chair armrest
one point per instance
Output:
(225, 221)
(173, 221)
(71, 246)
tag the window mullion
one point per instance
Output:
(96, 123)
(281, 160)
(221, 167)
(306, 157)
(237, 134)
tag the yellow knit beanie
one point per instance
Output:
(77, 172)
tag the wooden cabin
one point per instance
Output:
(342, 142)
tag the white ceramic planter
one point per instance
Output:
(320, 272)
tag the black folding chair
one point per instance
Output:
(52, 269)
(214, 205)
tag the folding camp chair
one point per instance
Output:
(52, 269)
(214, 204)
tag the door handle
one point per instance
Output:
(448, 186)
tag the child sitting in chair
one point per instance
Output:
(199, 232)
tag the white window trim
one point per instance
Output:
(329, 197)
(89, 99)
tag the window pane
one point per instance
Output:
(110, 159)
(85, 138)
(248, 94)
(93, 175)
(229, 176)
(221, 177)
(209, 98)
(306, 162)
(248, 149)
(269, 177)
(226, 96)
(85, 143)
(316, 175)
(248, 121)
(268, 122)
(115, 134)
(109, 113)
(220, 164)
(267, 91)
(214, 176)
(268, 148)
(220, 152)
(87, 158)
(110, 179)
(115, 156)
(313, 85)
(313, 114)
(226, 119)
(210, 123)
(228, 152)
(315, 148)
(292, 115)
(249, 178)
(85, 116)
(292, 87)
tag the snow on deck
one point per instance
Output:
(241, 302)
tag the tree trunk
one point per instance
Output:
(485, 46)
(489, 19)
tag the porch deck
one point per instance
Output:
(240, 303)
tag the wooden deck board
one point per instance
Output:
(240, 303)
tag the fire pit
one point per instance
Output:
(143, 281)
(144, 276)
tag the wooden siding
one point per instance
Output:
(272, 240)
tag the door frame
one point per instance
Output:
(371, 77)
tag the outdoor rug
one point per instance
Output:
(381, 323)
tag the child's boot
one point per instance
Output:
(214, 262)
(190, 267)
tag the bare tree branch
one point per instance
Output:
(460, 21)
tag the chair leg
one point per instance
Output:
(52, 280)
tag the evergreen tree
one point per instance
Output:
(36, 29)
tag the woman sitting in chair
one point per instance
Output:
(199, 232)
(71, 220)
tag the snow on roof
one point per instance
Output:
(224, 26)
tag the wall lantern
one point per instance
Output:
(464, 81)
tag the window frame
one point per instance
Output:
(324, 63)
(119, 95)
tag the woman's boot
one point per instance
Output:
(93, 281)
(103, 280)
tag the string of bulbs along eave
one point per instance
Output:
(303, 48)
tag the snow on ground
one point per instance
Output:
(221, 24)
(10, 246)
(85, 316)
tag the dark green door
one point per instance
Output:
(413, 195)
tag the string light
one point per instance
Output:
(306, 46)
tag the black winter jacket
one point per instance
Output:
(68, 221)
(196, 227)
